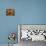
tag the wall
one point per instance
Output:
(27, 12)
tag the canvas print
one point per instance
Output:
(10, 12)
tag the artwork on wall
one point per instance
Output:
(10, 12)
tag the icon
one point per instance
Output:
(10, 12)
